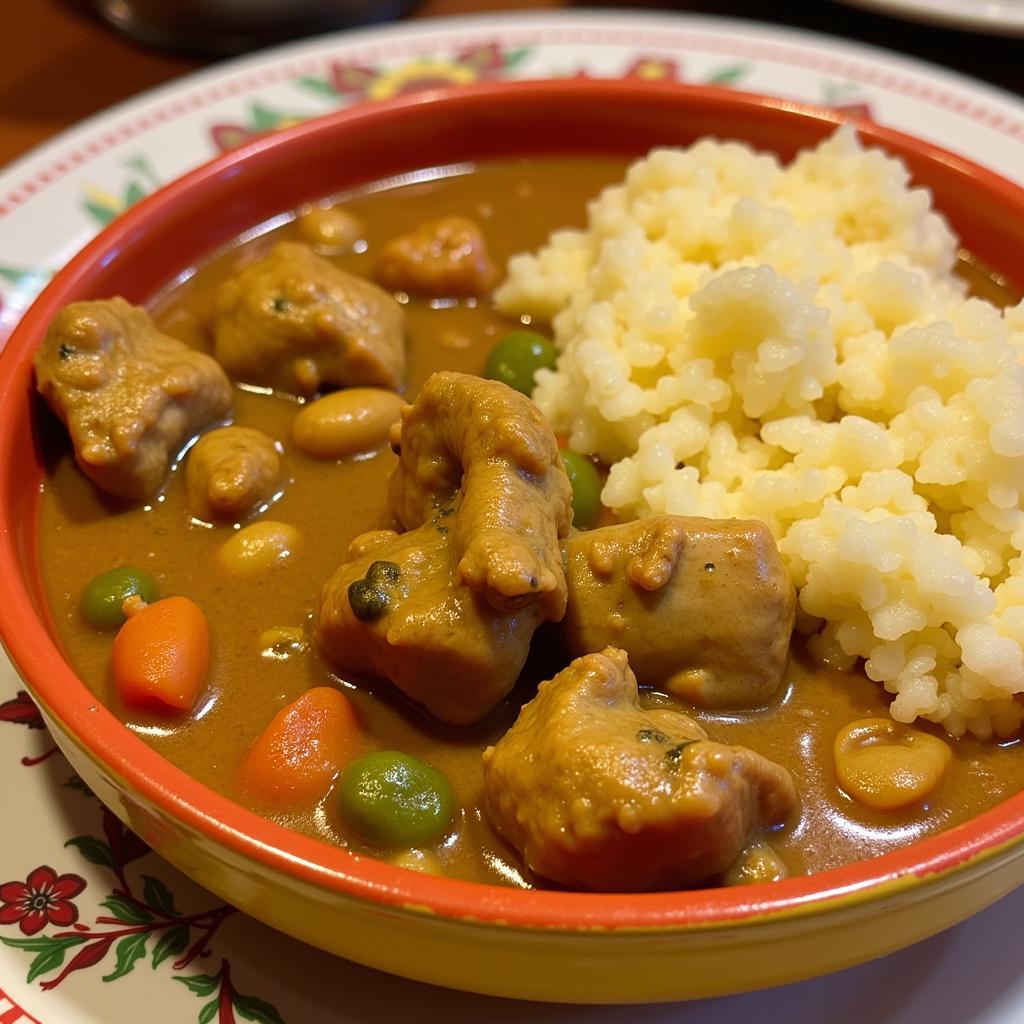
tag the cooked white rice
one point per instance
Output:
(790, 344)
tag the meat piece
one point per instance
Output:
(398, 612)
(130, 396)
(440, 258)
(703, 607)
(295, 322)
(598, 793)
(230, 472)
(330, 228)
(480, 449)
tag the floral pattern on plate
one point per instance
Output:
(140, 922)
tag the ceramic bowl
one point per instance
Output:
(529, 944)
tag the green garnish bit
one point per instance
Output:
(651, 736)
(368, 601)
(370, 597)
(441, 513)
(383, 573)
(674, 754)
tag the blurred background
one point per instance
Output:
(63, 60)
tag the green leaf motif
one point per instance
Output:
(133, 193)
(729, 75)
(46, 962)
(207, 1013)
(27, 282)
(124, 910)
(103, 215)
(32, 945)
(255, 1009)
(198, 984)
(263, 118)
(50, 952)
(513, 57)
(319, 86)
(141, 165)
(171, 943)
(94, 850)
(129, 950)
(43, 942)
(836, 92)
(17, 274)
(156, 895)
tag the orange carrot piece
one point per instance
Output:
(161, 655)
(296, 758)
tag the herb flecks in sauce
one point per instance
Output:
(674, 754)
(651, 736)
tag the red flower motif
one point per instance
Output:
(486, 59)
(351, 79)
(21, 710)
(43, 898)
(230, 136)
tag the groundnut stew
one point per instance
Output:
(313, 540)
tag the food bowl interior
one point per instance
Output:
(172, 231)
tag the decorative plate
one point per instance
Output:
(94, 927)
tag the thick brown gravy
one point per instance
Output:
(517, 204)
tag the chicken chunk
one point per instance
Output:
(446, 257)
(329, 228)
(703, 607)
(398, 612)
(295, 322)
(598, 793)
(482, 449)
(230, 472)
(447, 610)
(130, 396)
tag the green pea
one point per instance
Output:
(517, 357)
(392, 799)
(103, 597)
(586, 489)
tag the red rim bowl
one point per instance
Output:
(176, 227)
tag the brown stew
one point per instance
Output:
(83, 533)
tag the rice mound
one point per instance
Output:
(790, 344)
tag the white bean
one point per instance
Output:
(346, 422)
(258, 548)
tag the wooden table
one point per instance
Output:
(60, 63)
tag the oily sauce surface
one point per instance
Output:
(517, 204)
